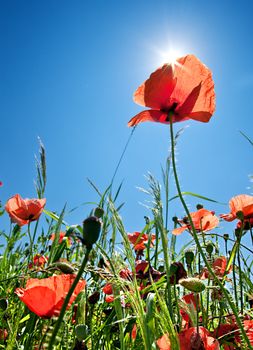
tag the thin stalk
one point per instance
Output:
(240, 279)
(31, 242)
(235, 284)
(195, 236)
(122, 155)
(66, 301)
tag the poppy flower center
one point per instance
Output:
(196, 342)
(170, 110)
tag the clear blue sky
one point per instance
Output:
(68, 71)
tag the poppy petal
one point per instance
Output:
(39, 300)
(156, 90)
(190, 72)
(179, 230)
(52, 291)
(190, 101)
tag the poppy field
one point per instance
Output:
(93, 285)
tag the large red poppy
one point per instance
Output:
(190, 339)
(139, 240)
(184, 90)
(203, 220)
(242, 203)
(23, 211)
(45, 297)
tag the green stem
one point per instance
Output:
(195, 236)
(31, 243)
(66, 301)
(240, 279)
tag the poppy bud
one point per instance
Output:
(189, 257)
(177, 272)
(63, 267)
(94, 297)
(209, 247)
(81, 331)
(91, 230)
(175, 219)
(226, 236)
(3, 304)
(193, 284)
(99, 212)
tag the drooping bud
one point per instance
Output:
(99, 212)
(91, 230)
(177, 272)
(189, 257)
(193, 284)
(209, 247)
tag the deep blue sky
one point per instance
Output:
(68, 71)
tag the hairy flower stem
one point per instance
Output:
(66, 301)
(195, 236)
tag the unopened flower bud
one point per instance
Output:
(91, 230)
(226, 236)
(175, 219)
(63, 267)
(177, 272)
(193, 284)
(94, 297)
(189, 257)
(209, 247)
(99, 212)
(81, 331)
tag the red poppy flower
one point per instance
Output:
(134, 332)
(248, 326)
(139, 240)
(189, 339)
(3, 334)
(45, 296)
(107, 289)
(23, 211)
(219, 267)
(184, 90)
(109, 299)
(61, 236)
(228, 335)
(126, 274)
(203, 220)
(242, 203)
(38, 261)
(1, 184)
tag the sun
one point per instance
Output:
(170, 56)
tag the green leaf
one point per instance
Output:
(27, 317)
(196, 195)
